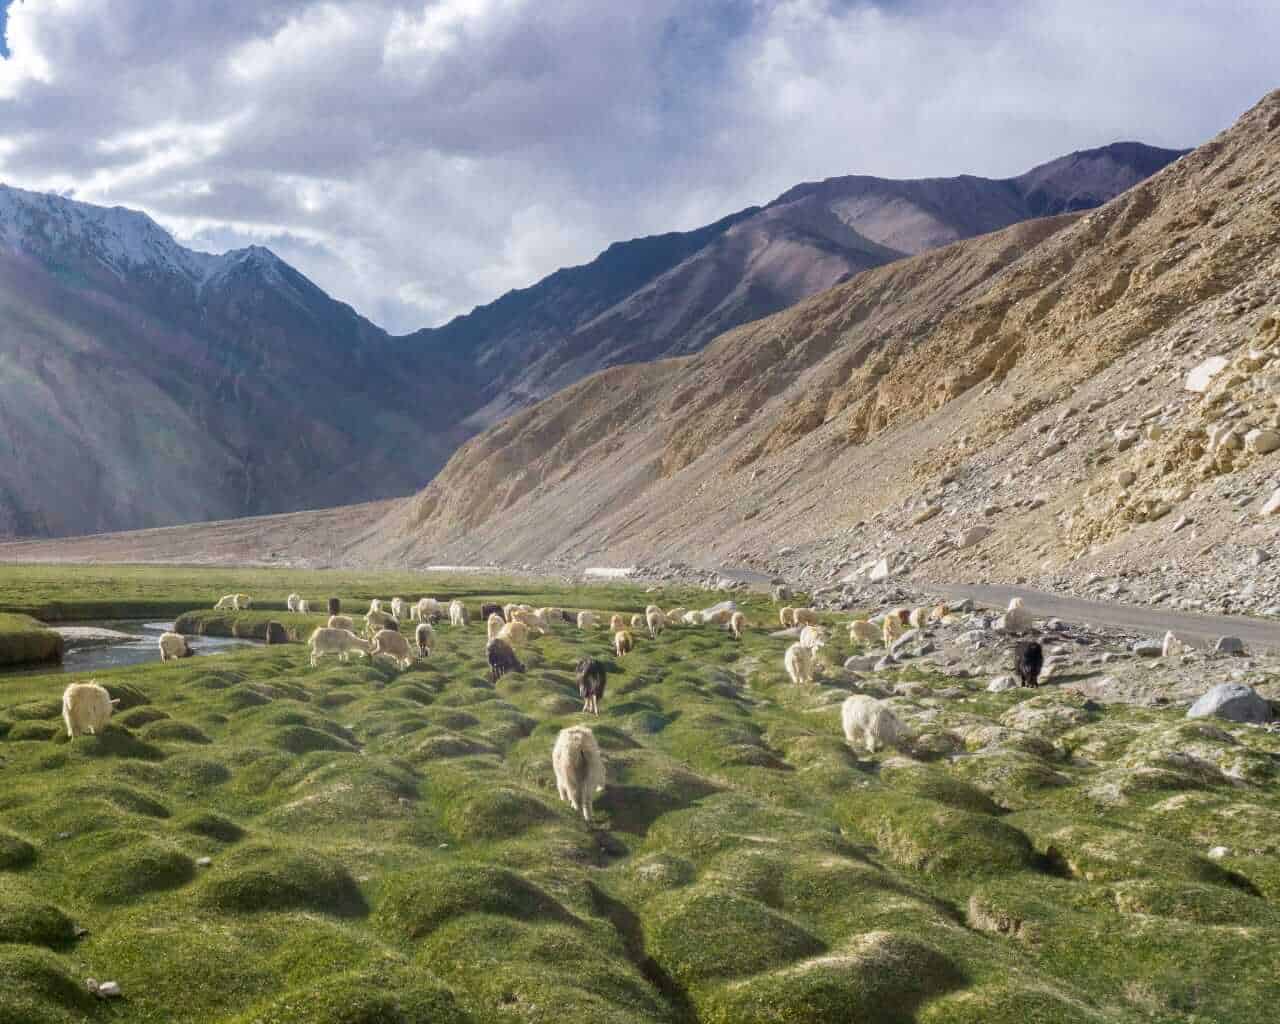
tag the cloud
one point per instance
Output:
(416, 158)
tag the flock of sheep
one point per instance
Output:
(579, 769)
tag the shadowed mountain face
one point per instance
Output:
(144, 384)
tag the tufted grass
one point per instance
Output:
(389, 847)
(24, 641)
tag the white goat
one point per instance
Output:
(579, 768)
(335, 641)
(86, 708)
(397, 607)
(798, 662)
(291, 602)
(173, 646)
(656, 621)
(586, 620)
(813, 637)
(391, 643)
(737, 623)
(341, 622)
(871, 723)
(424, 636)
(457, 613)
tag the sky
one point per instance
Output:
(418, 158)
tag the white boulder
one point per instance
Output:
(1199, 379)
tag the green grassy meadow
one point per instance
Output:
(23, 640)
(388, 848)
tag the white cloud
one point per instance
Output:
(416, 158)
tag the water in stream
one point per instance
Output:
(88, 656)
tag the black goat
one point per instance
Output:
(502, 659)
(591, 679)
(491, 609)
(1029, 661)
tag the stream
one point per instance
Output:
(98, 645)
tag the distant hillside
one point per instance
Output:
(998, 385)
(145, 384)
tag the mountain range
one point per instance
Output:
(143, 384)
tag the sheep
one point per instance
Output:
(798, 662)
(502, 659)
(617, 623)
(487, 610)
(892, 629)
(424, 636)
(291, 602)
(863, 632)
(736, 624)
(1028, 661)
(693, 618)
(586, 620)
(457, 613)
(375, 621)
(494, 625)
(341, 622)
(335, 641)
(578, 767)
(675, 616)
(656, 622)
(86, 708)
(786, 616)
(397, 607)
(623, 642)
(591, 680)
(867, 720)
(173, 646)
(391, 643)
(638, 622)
(813, 637)
(804, 616)
(304, 607)
(517, 633)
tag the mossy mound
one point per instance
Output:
(135, 870)
(261, 878)
(212, 826)
(880, 976)
(139, 717)
(414, 903)
(387, 994)
(15, 852)
(37, 989)
(175, 732)
(34, 732)
(28, 921)
(1018, 1004)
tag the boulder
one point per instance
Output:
(973, 535)
(1229, 645)
(1262, 441)
(861, 662)
(335, 606)
(780, 592)
(1272, 505)
(1126, 477)
(276, 634)
(925, 514)
(1233, 701)
(1001, 683)
(886, 663)
(1016, 620)
(882, 570)
(711, 614)
(1199, 379)
(1148, 649)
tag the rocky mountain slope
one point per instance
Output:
(146, 384)
(672, 294)
(1014, 406)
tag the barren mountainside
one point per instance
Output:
(146, 384)
(1011, 383)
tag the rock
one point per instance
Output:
(716, 609)
(1016, 620)
(780, 592)
(1272, 504)
(1199, 379)
(1233, 701)
(1148, 649)
(103, 989)
(886, 663)
(1258, 555)
(203, 862)
(276, 634)
(1172, 646)
(1126, 477)
(905, 640)
(880, 571)
(1001, 683)
(861, 662)
(1229, 645)
(925, 514)
(1218, 852)
(1182, 521)
(1262, 441)
(1052, 448)
(973, 535)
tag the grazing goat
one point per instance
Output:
(617, 623)
(173, 646)
(623, 642)
(798, 662)
(86, 708)
(291, 602)
(457, 613)
(675, 616)
(335, 641)
(693, 618)
(341, 622)
(804, 616)
(397, 607)
(718, 618)
(579, 768)
(424, 636)
(863, 632)
(1029, 660)
(502, 659)
(391, 643)
(375, 621)
(591, 680)
(870, 722)
(813, 637)
(375, 605)
(517, 633)
(786, 616)
(586, 620)
(919, 618)
(892, 629)
(487, 610)
(638, 623)
(494, 625)
(736, 624)
(656, 622)
(304, 607)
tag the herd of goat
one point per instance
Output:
(576, 760)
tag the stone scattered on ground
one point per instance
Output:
(1235, 702)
